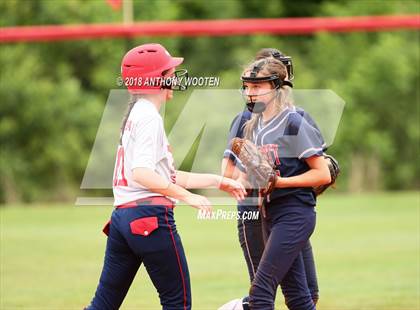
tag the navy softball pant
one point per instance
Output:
(251, 240)
(282, 262)
(144, 234)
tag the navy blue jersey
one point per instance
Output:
(286, 140)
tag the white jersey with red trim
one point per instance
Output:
(144, 145)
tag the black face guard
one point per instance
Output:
(177, 82)
(256, 106)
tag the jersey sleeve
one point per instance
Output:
(304, 140)
(147, 143)
(312, 122)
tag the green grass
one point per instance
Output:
(366, 248)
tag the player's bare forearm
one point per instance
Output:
(229, 170)
(197, 180)
(156, 183)
(204, 180)
(310, 178)
(243, 179)
(319, 174)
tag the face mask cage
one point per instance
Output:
(178, 81)
(247, 97)
(287, 61)
(277, 83)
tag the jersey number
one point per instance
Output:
(119, 178)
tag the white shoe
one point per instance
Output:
(235, 304)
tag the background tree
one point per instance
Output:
(52, 95)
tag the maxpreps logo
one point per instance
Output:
(228, 215)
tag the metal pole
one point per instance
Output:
(128, 12)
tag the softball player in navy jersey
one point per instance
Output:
(250, 231)
(295, 147)
(146, 185)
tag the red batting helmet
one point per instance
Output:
(146, 63)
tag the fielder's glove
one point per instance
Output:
(258, 167)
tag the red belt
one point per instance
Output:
(153, 200)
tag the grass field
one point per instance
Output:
(366, 247)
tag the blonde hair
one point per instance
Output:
(270, 66)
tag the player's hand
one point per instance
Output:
(199, 202)
(235, 188)
(244, 181)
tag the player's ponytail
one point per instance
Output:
(131, 102)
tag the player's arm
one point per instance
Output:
(204, 180)
(149, 179)
(243, 178)
(229, 170)
(196, 180)
(318, 174)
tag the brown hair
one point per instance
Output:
(267, 52)
(269, 66)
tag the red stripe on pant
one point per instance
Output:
(179, 260)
